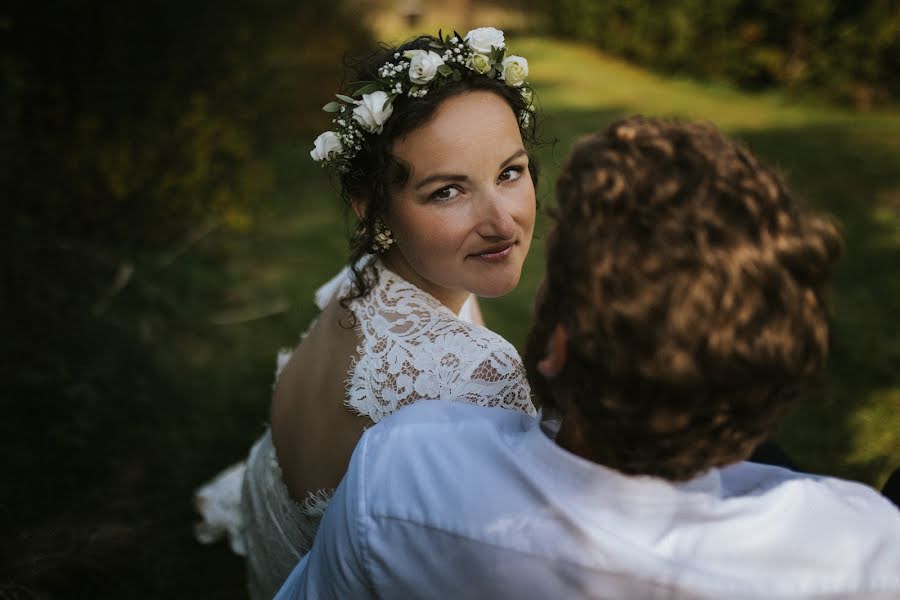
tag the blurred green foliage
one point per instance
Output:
(848, 49)
(130, 131)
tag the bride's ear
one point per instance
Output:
(359, 207)
(554, 358)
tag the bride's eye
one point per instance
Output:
(444, 194)
(511, 174)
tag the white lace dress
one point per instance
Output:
(412, 348)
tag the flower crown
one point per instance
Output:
(414, 73)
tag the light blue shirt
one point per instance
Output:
(449, 500)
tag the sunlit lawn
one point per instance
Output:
(219, 370)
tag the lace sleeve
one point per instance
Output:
(413, 348)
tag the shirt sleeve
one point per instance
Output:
(335, 566)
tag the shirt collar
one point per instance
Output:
(540, 442)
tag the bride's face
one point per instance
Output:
(463, 220)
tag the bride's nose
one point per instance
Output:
(494, 217)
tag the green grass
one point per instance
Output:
(206, 399)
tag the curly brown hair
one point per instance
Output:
(691, 289)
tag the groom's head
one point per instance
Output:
(683, 301)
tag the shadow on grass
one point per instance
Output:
(98, 486)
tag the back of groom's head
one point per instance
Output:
(689, 287)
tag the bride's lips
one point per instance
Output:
(494, 253)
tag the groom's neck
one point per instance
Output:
(574, 437)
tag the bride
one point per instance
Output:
(431, 149)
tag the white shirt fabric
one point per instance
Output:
(446, 500)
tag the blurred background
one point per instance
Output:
(164, 230)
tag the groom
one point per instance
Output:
(683, 306)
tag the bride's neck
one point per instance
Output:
(452, 298)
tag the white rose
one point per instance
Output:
(479, 63)
(515, 70)
(423, 65)
(372, 111)
(325, 145)
(481, 40)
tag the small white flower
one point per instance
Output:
(528, 97)
(423, 65)
(479, 63)
(325, 145)
(483, 39)
(515, 70)
(372, 111)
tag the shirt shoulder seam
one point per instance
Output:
(362, 490)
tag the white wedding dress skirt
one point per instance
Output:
(412, 348)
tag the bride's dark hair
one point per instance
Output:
(374, 171)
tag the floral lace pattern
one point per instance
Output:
(414, 348)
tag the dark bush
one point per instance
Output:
(851, 50)
(129, 131)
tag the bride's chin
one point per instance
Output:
(497, 289)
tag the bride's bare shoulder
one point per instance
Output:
(318, 366)
(312, 429)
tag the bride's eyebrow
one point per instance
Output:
(517, 154)
(453, 177)
(440, 177)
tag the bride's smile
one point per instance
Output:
(464, 217)
(497, 253)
